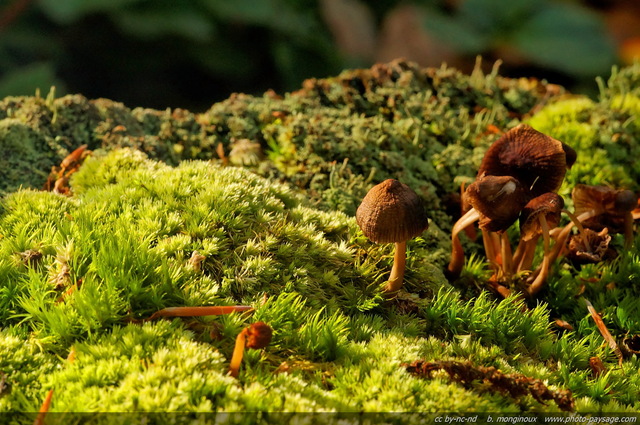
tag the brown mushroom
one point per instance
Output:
(496, 203)
(537, 161)
(599, 206)
(523, 164)
(589, 247)
(570, 155)
(540, 213)
(392, 212)
(544, 207)
(255, 336)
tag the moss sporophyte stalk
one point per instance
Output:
(249, 209)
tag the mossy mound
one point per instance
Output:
(604, 132)
(263, 190)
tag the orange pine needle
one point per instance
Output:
(46, 404)
(604, 331)
(199, 311)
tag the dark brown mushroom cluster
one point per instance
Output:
(517, 181)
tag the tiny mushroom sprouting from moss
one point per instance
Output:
(391, 212)
(521, 165)
(257, 335)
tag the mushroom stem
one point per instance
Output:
(628, 230)
(523, 256)
(506, 254)
(580, 228)
(541, 278)
(397, 271)
(238, 353)
(561, 240)
(518, 254)
(490, 250)
(457, 253)
(529, 252)
(469, 231)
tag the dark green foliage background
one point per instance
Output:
(189, 54)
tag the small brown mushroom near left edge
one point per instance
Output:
(257, 335)
(392, 212)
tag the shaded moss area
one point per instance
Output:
(333, 138)
(252, 203)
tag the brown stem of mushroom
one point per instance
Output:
(397, 271)
(628, 230)
(580, 228)
(518, 254)
(561, 240)
(457, 253)
(541, 278)
(490, 250)
(507, 255)
(528, 255)
(604, 331)
(238, 353)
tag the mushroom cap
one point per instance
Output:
(498, 199)
(259, 335)
(570, 155)
(625, 201)
(538, 161)
(391, 212)
(550, 204)
(611, 205)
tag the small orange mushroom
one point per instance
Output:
(257, 335)
(391, 212)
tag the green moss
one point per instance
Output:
(604, 132)
(278, 233)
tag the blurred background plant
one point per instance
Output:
(163, 53)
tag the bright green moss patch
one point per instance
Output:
(604, 133)
(120, 249)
